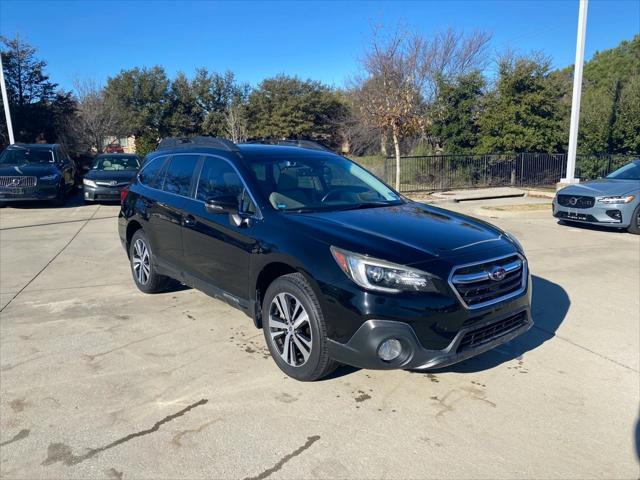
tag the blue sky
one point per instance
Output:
(256, 40)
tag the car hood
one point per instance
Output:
(410, 233)
(601, 187)
(119, 176)
(27, 170)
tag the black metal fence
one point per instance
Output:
(446, 172)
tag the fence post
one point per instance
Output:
(513, 172)
(385, 170)
(521, 156)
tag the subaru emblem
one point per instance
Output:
(497, 273)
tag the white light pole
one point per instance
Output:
(5, 102)
(577, 90)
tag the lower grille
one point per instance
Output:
(576, 201)
(18, 182)
(489, 282)
(576, 216)
(492, 331)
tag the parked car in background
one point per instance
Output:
(36, 172)
(333, 264)
(613, 201)
(114, 148)
(108, 176)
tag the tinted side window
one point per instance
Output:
(218, 178)
(178, 177)
(150, 171)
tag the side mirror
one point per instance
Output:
(222, 204)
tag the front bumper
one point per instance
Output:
(362, 349)
(606, 215)
(40, 192)
(96, 194)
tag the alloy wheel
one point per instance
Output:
(140, 262)
(290, 329)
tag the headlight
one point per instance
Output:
(513, 238)
(49, 178)
(89, 183)
(382, 276)
(617, 199)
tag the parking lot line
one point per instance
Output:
(52, 259)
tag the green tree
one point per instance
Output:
(37, 105)
(216, 94)
(606, 113)
(524, 112)
(287, 107)
(626, 129)
(142, 97)
(185, 116)
(456, 113)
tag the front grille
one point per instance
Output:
(489, 282)
(110, 185)
(490, 332)
(576, 201)
(18, 182)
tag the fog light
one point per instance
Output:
(615, 214)
(390, 349)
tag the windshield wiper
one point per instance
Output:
(361, 205)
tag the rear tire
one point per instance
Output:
(143, 267)
(295, 330)
(634, 226)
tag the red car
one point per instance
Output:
(114, 148)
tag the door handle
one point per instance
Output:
(189, 221)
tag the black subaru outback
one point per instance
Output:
(333, 264)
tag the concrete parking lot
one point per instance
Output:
(101, 381)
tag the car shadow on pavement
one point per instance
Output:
(592, 227)
(549, 306)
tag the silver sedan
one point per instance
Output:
(613, 201)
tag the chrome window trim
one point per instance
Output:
(523, 284)
(255, 216)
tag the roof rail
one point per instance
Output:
(292, 142)
(303, 144)
(200, 141)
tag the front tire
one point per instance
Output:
(634, 226)
(295, 330)
(142, 266)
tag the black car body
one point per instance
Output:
(109, 174)
(36, 172)
(465, 284)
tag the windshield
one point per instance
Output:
(316, 184)
(631, 171)
(116, 163)
(25, 155)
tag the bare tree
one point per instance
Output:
(400, 78)
(96, 117)
(236, 122)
